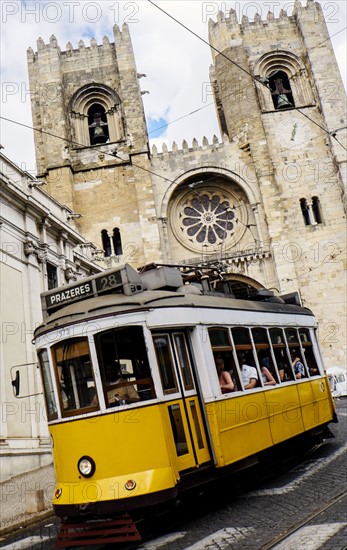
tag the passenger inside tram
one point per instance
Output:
(281, 366)
(297, 364)
(268, 379)
(225, 380)
(249, 374)
(123, 391)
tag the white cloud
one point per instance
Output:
(176, 63)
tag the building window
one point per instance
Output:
(281, 91)
(305, 211)
(52, 276)
(316, 210)
(117, 242)
(312, 213)
(208, 218)
(96, 115)
(97, 124)
(205, 219)
(106, 243)
(287, 84)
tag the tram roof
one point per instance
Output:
(116, 304)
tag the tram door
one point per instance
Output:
(183, 408)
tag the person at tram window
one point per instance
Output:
(225, 380)
(282, 367)
(312, 368)
(268, 379)
(249, 374)
(119, 395)
(299, 369)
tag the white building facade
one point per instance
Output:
(40, 249)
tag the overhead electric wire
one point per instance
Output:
(119, 158)
(114, 155)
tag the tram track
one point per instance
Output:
(288, 532)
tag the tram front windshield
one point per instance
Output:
(123, 365)
(74, 373)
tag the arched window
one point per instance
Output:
(106, 242)
(283, 81)
(316, 210)
(96, 115)
(117, 242)
(305, 211)
(97, 124)
(281, 91)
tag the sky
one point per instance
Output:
(175, 62)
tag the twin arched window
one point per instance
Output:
(312, 213)
(112, 246)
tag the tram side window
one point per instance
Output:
(183, 362)
(47, 385)
(244, 351)
(283, 360)
(306, 343)
(74, 375)
(222, 350)
(165, 362)
(125, 372)
(269, 373)
(297, 359)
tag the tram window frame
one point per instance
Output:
(264, 355)
(245, 347)
(117, 355)
(71, 359)
(294, 345)
(183, 360)
(281, 354)
(223, 348)
(47, 383)
(308, 352)
(167, 372)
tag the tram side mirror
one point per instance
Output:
(16, 384)
(22, 370)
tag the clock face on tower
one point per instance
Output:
(293, 132)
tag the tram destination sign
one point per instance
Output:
(69, 294)
(122, 279)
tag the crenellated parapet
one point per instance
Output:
(204, 146)
(121, 37)
(227, 30)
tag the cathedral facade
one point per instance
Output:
(265, 203)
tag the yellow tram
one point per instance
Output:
(135, 409)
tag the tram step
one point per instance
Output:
(92, 532)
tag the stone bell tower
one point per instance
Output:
(92, 145)
(277, 86)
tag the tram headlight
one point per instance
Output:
(86, 466)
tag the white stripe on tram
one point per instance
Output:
(311, 537)
(25, 543)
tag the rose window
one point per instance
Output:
(207, 219)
